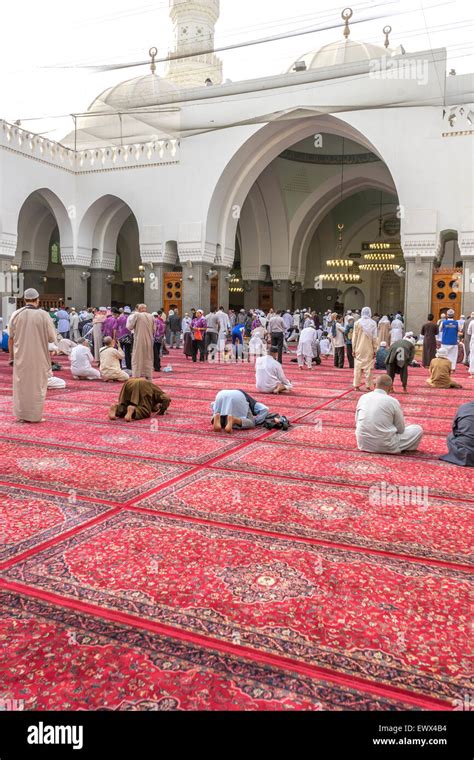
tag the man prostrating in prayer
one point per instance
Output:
(138, 400)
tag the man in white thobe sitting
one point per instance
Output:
(111, 362)
(269, 375)
(81, 362)
(57, 383)
(380, 425)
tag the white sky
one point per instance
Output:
(37, 36)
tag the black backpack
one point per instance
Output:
(276, 421)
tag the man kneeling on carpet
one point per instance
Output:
(380, 425)
(237, 409)
(81, 362)
(139, 399)
(110, 359)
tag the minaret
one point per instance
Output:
(194, 22)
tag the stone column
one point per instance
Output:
(281, 295)
(466, 246)
(250, 294)
(196, 287)
(101, 288)
(154, 276)
(223, 287)
(75, 287)
(420, 251)
(34, 279)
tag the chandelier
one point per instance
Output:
(339, 263)
(379, 256)
(339, 277)
(380, 267)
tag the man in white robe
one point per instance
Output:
(307, 347)
(30, 331)
(81, 362)
(111, 362)
(55, 383)
(269, 375)
(380, 425)
(143, 327)
(74, 332)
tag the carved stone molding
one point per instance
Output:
(466, 244)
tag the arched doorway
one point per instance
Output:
(44, 227)
(280, 193)
(353, 299)
(110, 231)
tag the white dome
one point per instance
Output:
(126, 114)
(342, 52)
(139, 92)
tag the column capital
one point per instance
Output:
(104, 260)
(156, 253)
(423, 246)
(8, 244)
(80, 256)
(466, 244)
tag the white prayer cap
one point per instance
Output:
(199, 311)
(127, 310)
(451, 313)
(442, 353)
(31, 294)
(103, 308)
(383, 342)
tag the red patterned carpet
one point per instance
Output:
(160, 566)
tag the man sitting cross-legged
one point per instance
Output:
(111, 362)
(269, 375)
(81, 362)
(139, 399)
(380, 425)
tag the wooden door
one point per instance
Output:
(173, 292)
(265, 297)
(446, 292)
(215, 292)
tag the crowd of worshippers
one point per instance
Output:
(34, 336)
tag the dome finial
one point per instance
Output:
(153, 52)
(346, 15)
(386, 30)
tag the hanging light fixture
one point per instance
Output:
(380, 249)
(339, 262)
(378, 267)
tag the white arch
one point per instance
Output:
(253, 157)
(99, 229)
(310, 221)
(39, 213)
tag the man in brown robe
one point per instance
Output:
(440, 371)
(138, 400)
(429, 331)
(143, 327)
(30, 330)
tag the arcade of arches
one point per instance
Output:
(320, 200)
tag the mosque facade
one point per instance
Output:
(345, 180)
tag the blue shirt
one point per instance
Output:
(450, 330)
(238, 331)
(63, 321)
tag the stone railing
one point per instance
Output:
(35, 146)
